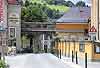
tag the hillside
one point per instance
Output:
(42, 10)
(61, 8)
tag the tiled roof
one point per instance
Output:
(85, 12)
(76, 14)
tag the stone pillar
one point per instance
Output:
(49, 42)
(43, 41)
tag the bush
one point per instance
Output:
(2, 64)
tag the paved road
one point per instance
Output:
(35, 61)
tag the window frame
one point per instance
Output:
(96, 48)
(10, 32)
(82, 44)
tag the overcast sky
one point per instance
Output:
(87, 1)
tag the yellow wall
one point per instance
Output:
(69, 47)
(96, 57)
(70, 33)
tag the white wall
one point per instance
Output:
(94, 17)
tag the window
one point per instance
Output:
(97, 49)
(44, 26)
(38, 26)
(12, 32)
(81, 46)
(94, 38)
(3, 41)
(86, 32)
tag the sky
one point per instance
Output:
(87, 1)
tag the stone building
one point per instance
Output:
(10, 19)
(14, 24)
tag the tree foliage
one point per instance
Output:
(33, 12)
(61, 2)
(2, 64)
(38, 12)
(69, 4)
(81, 4)
(55, 2)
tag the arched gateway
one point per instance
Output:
(40, 35)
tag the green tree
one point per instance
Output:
(38, 12)
(55, 2)
(27, 3)
(49, 1)
(33, 12)
(69, 4)
(81, 4)
(2, 64)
